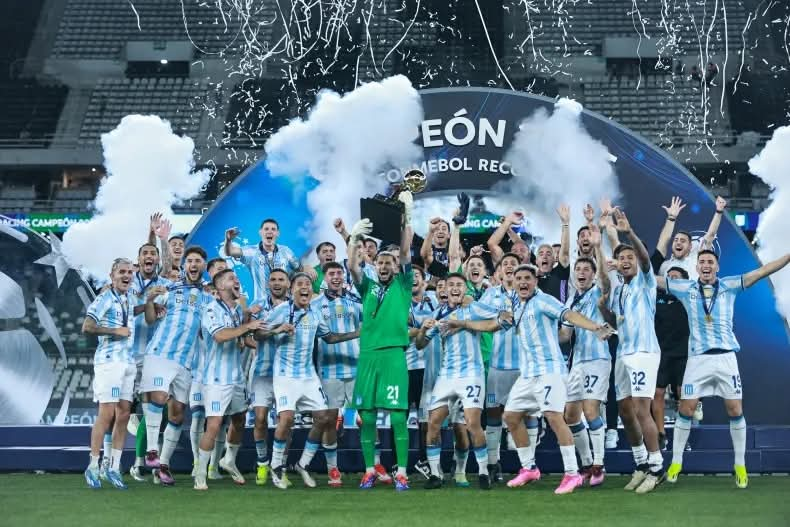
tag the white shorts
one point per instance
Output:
(298, 395)
(163, 375)
(712, 376)
(446, 392)
(113, 382)
(224, 399)
(499, 384)
(589, 380)
(535, 395)
(338, 392)
(196, 398)
(262, 393)
(635, 375)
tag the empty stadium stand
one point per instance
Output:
(29, 111)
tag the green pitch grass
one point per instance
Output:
(62, 500)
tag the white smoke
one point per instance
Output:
(556, 161)
(149, 168)
(772, 165)
(344, 143)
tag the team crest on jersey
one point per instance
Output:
(688, 389)
(197, 397)
(215, 406)
(283, 400)
(158, 381)
(116, 391)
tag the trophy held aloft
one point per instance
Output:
(385, 211)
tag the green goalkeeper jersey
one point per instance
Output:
(385, 312)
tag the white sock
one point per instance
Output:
(203, 458)
(196, 432)
(219, 444)
(330, 453)
(680, 437)
(231, 452)
(140, 461)
(434, 453)
(493, 440)
(598, 439)
(461, 456)
(581, 440)
(533, 442)
(656, 461)
(738, 434)
(310, 448)
(481, 456)
(640, 454)
(115, 458)
(569, 459)
(169, 442)
(153, 421)
(262, 451)
(525, 456)
(377, 454)
(401, 471)
(94, 463)
(107, 449)
(278, 452)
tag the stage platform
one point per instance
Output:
(65, 449)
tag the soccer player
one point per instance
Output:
(325, 251)
(296, 385)
(263, 371)
(261, 259)
(144, 280)
(712, 368)
(541, 385)
(223, 378)
(382, 374)
(169, 355)
(337, 363)
(632, 308)
(435, 247)
(110, 318)
(461, 373)
(518, 246)
(371, 250)
(554, 274)
(684, 250)
(504, 369)
(176, 246)
(588, 380)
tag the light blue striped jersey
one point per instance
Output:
(587, 346)
(415, 359)
(293, 357)
(716, 333)
(223, 361)
(461, 357)
(175, 337)
(432, 352)
(142, 331)
(634, 305)
(341, 314)
(264, 355)
(504, 352)
(261, 263)
(199, 360)
(113, 310)
(535, 323)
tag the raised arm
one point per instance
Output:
(564, 213)
(603, 277)
(407, 234)
(340, 227)
(163, 230)
(715, 222)
(752, 277)
(606, 313)
(361, 228)
(624, 227)
(497, 236)
(673, 211)
(454, 248)
(231, 249)
(607, 225)
(156, 218)
(426, 250)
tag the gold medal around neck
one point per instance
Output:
(709, 319)
(620, 320)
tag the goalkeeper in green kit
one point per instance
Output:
(382, 376)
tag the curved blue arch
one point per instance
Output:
(647, 177)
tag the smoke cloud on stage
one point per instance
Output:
(344, 143)
(149, 168)
(772, 165)
(556, 161)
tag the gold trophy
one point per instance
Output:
(385, 211)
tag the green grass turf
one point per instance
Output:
(63, 500)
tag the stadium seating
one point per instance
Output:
(17, 199)
(170, 98)
(29, 112)
(73, 199)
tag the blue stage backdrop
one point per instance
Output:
(647, 177)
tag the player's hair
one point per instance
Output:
(331, 265)
(195, 249)
(176, 237)
(511, 255)
(371, 240)
(219, 275)
(582, 229)
(298, 275)
(683, 273)
(322, 245)
(143, 246)
(269, 220)
(476, 257)
(686, 234)
(385, 252)
(455, 275)
(278, 270)
(527, 267)
(446, 223)
(419, 269)
(707, 251)
(542, 245)
(622, 247)
(586, 260)
(213, 262)
(118, 262)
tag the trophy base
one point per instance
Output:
(386, 217)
